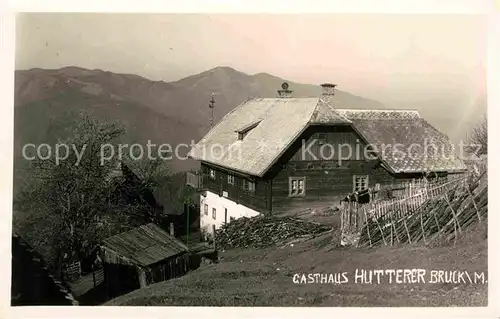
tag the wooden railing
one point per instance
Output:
(194, 179)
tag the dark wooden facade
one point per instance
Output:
(143, 256)
(121, 277)
(328, 176)
(255, 199)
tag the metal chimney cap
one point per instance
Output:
(284, 92)
(328, 85)
(328, 89)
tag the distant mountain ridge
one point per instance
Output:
(174, 112)
(190, 94)
(163, 112)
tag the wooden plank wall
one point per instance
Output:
(219, 184)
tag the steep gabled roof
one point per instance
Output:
(405, 127)
(282, 121)
(144, 245)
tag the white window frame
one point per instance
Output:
(321, 138)
(211, 173)
(363, 182)
(249, 186)
(230, 179)
(214, 213)
(205, 209)
(296, 186)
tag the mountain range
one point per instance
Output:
(174, 112)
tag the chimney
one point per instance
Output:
(328, 88)
(284, 92)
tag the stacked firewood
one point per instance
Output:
(447, 215)
(265, 230)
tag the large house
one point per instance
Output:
(285, 153)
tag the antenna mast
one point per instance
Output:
(211, 106)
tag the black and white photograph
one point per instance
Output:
(250, 160)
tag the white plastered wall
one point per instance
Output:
(220, 204)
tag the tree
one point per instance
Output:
(478, 141)
(145, 180)
(66, 208)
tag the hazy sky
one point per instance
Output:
(387, 57)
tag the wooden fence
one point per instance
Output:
(98, 276)
(73, 271)
(403, 206)
(446, 214)
(354, 215)
(415, 187)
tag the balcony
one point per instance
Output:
(194, 179)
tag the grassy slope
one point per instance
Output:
(264, 277)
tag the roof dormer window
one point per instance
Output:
(242, 132)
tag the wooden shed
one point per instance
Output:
(143, 256)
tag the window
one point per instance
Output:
(214, 213)
(360, 182)
(248, 186)
(230, 179)
(297, 186)
(212, 173)
(321, 138)
(205, 209)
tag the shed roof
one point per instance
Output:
(282, 120)
(145, 245)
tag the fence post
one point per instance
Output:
(368, 227)
(422, 225)
(473, 202)
(380, 229)
(342, 216)
(407, 231)
(453, 212)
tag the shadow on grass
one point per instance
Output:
(95, 296)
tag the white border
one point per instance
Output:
(6, 154)
(258, 6)
(242, 6)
